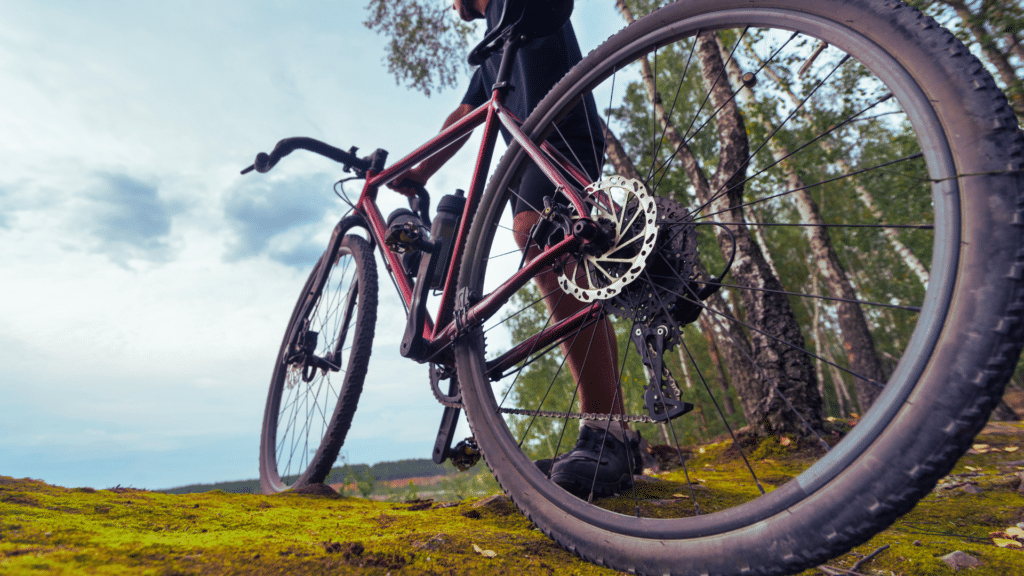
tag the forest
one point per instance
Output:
(798, 172)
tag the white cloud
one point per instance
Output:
(146, 284)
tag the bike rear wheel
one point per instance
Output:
(862, 118)
(320, 368)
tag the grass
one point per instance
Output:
(48, 529)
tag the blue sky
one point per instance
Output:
(145, 284)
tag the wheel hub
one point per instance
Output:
(645, 266)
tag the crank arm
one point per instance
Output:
(413, 344)
(446, 431)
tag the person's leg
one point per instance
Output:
(606, 454)
(593, 355)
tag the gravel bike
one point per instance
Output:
(803, 203)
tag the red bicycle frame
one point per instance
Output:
(438, 335)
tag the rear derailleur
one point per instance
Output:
(661, 396)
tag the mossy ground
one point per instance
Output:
(49, 529)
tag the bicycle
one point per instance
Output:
(881, 108)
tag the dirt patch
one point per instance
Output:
(316, 490)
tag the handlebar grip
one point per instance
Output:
(264, 162)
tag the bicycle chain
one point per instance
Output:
(551, 414)
(579, 415)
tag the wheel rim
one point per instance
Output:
(941, 241)
(305, 395)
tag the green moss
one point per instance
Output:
(124, 531)
(769, 448)
(48, 528)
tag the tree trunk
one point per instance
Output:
(616, 154)
(857, 341)
(778, 345)
(723, 381)
(783, 373)
(733, 345)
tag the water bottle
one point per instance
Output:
(443, 230)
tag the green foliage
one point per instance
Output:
(459, 485)
(410, 492)
(235, 487)
(427, 44)
(362, 478)
(408, 468)
(994, 30)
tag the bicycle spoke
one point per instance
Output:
(823, 182)
(693, 296)
(817, 225)
(561, 365)
(806, 295)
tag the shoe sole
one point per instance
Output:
(581, 487)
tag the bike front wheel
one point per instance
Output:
(320, 368)
(858, 173)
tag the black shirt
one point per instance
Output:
(540, 63)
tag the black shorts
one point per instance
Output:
(534, 185)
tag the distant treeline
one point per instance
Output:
(413, 468)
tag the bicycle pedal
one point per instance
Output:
(406, 233)
(465, 454)
(403, 237)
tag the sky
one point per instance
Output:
(145, 284)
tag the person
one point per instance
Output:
(610, 450)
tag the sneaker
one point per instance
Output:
(575, 471)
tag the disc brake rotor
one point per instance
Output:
(625, 206)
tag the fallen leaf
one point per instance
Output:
(1011, 449)
(1007, 543)
(484, 553)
